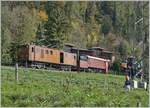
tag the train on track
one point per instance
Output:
(71, 58)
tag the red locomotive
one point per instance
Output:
(43, 57)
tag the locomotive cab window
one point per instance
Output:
(74, 57)
(46, 51)
(51, 52)
(61, 57)
(32, 49)
(42, 53)
(83, 57)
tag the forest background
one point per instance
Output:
(108, 24)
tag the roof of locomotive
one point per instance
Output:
(52, 49)
(42, 47)
(98, 58)
(108, 52)
(69, 45)
(80, 49)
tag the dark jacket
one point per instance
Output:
(127, 82)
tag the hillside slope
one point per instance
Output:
(116, 26)
(45, 88)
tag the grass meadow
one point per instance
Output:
(49, 88)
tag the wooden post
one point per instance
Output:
(26, 65)
(106, 83)
(138, 104)
(16, 72)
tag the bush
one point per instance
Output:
(106, 26)
(124, 48)
(6, 59)
(116, 66)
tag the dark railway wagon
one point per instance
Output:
(82, 51)
(108, 55)
(97, 51)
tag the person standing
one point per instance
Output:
(127, 84)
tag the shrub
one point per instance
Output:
(116, 65)
(6, 59)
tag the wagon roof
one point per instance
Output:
(107, 52)
(45, 47)
(98, 58)
(70, 45)
(97, 48)
(82, 49)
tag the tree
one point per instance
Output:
(23, 28)
(5, 35)
(90, 12)
(18, 27)
(106, 26)
(56, 27)
(124, 48)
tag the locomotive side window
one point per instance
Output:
(38, 50)
(83, 57)
(32, 49)
(51, 52)
(42, 53)
(46, 51)
(65, 54)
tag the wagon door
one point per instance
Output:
(31, 53)
(61, 57)
(42, 53)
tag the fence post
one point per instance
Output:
(26, 64)
(16, 72)
(138, 104)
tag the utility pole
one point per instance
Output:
(141, 19)
(142, 29)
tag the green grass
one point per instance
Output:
(45, 88)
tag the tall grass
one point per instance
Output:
(45, 88)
